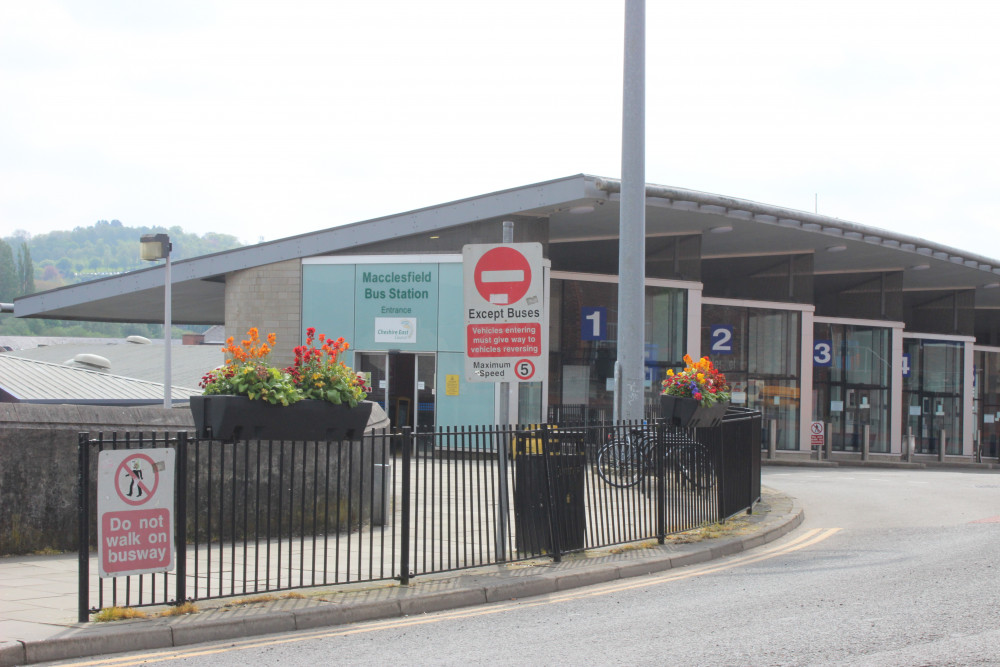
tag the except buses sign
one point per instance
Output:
(504, 292)
(135, 511)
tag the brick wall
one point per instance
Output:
(269, 298)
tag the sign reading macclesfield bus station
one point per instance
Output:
(504, 290)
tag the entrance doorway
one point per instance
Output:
(403, 384)
(932, 393)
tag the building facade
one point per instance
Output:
(889, 342)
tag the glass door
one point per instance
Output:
(426, 376)
(374, 367)
(851, 374)
(932, 393)
(987, 402)
(403, 384)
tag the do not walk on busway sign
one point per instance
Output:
(505, 332)
(135, 511)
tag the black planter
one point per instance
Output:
(689, 413)
(237, 417)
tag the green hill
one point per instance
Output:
(62, 258)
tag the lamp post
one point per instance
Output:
(153, 247)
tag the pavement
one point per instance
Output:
(38, 593)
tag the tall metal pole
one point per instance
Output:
(632, 234)
(167, 327)
(503, 443)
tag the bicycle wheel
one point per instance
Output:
(694, 465)
(620, 462)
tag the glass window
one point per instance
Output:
(986, 407)
(932, 393)
(851, 377)
(759, 350)
(583, 347)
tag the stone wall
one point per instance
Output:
(39, 461)
(38, 466)
(270, 298)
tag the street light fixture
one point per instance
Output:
(151, 248)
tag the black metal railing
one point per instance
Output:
(256, 517)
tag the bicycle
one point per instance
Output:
(627, 460)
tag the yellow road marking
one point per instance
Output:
(806, 539)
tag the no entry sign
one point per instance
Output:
(135, 511)
(504, 291)
(502, 275)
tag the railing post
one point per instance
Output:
(719, 462)
(772, 438)
(550, 483)
(404, 538)
(83, 527)
(661, 482)
(828, 440)
(503, 509)
(180, 518)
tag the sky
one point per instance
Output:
(270, 119)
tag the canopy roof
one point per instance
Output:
(575, 209)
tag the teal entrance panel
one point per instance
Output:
(328, 301)
(459, 402)
(396, 307)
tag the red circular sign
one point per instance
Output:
(139, 491)
(524, 369)
(503, 276)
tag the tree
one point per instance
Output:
(25, 269)
(8, 273)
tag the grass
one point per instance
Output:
(109, 614)
(258, 599)
(47, 551)
(713, 531)
(181, 609)
(635, 546)
(738, 526)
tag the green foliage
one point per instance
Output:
(248, 373)
(8, 274)
(256, 381)
(106, 248)
(59, 258)
(699, 380)
(25, 270)
(319, 374)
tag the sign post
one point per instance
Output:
(135, 511)
(504, 290)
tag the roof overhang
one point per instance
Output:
(577, 208)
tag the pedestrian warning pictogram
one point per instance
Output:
(137, 479)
